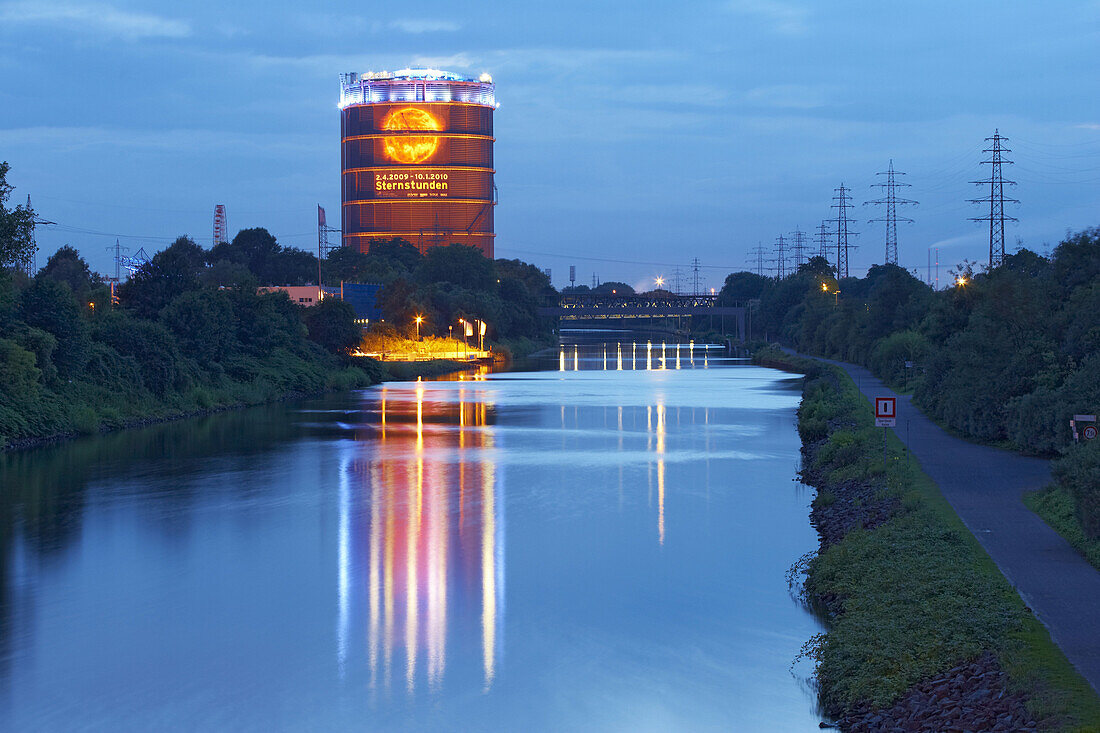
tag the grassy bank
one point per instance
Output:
(907, 591)
(1056, 506)
(79, 407)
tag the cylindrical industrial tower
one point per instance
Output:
(417, 158)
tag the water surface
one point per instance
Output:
(555, 550)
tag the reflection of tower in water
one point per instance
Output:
(429, 526)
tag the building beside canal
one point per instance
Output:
(416, 158)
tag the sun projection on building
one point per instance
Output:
(411, 148)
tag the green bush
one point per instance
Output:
(1078, 470)
(84, 420)
(890, 354)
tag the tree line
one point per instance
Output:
(1006, 356)
(190, 331)
(447, 283)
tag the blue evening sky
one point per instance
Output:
(631, 137)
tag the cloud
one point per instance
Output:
(788, 96)
(1088, 126)
(425, 26)
(171, 141)
(448, 63)
(95, 18)
(783, 17)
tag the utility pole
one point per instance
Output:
(842, 221)
(891, 202)
(756, 257)
(798, 247)
(695, 276)
(28, 263)
(324, 246)
(996, 198)
(677, 277)
(822, 238)
(572, 276)
(780, 257)
(118, 250)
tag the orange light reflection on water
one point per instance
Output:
(429, 528)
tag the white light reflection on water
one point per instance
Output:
(411, 533)
(347, 563)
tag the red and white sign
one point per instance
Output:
(886, 412)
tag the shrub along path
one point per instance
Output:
(985, 486)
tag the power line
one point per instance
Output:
(842, 231)
(798, 247)
(780, 257)
(996, 198)
(822, 237)
(756, 257)
(891, 202)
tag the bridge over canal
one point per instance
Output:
(604, 307)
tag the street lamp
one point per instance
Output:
(419, 320)
(660, 281)
(960, 280)
(467, 330)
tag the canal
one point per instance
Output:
(593, 545)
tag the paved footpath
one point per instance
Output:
(986, 486)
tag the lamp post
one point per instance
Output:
(466, 331)
(419, 320)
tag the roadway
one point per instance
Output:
(986, 486)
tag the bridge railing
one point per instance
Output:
(642, 301)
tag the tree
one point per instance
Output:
(536, 281)
(51, 306)
(203, 323)
(742, 286)
(292, 266)
(399, 252)
(229, 274)
(395, 302)
(254, 248)
(613, 287)
(270, 262)
(331, 324)
(346, 264)
(460, 264)
(16, 226)
(67, 266)
(152, 348)
(172, 272)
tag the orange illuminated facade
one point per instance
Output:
(417, 158)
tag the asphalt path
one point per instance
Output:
(986, 487)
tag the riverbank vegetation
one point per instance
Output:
(447, 288)
(908, 593)
(175, 345)
(1006, 356)
(189, 333)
